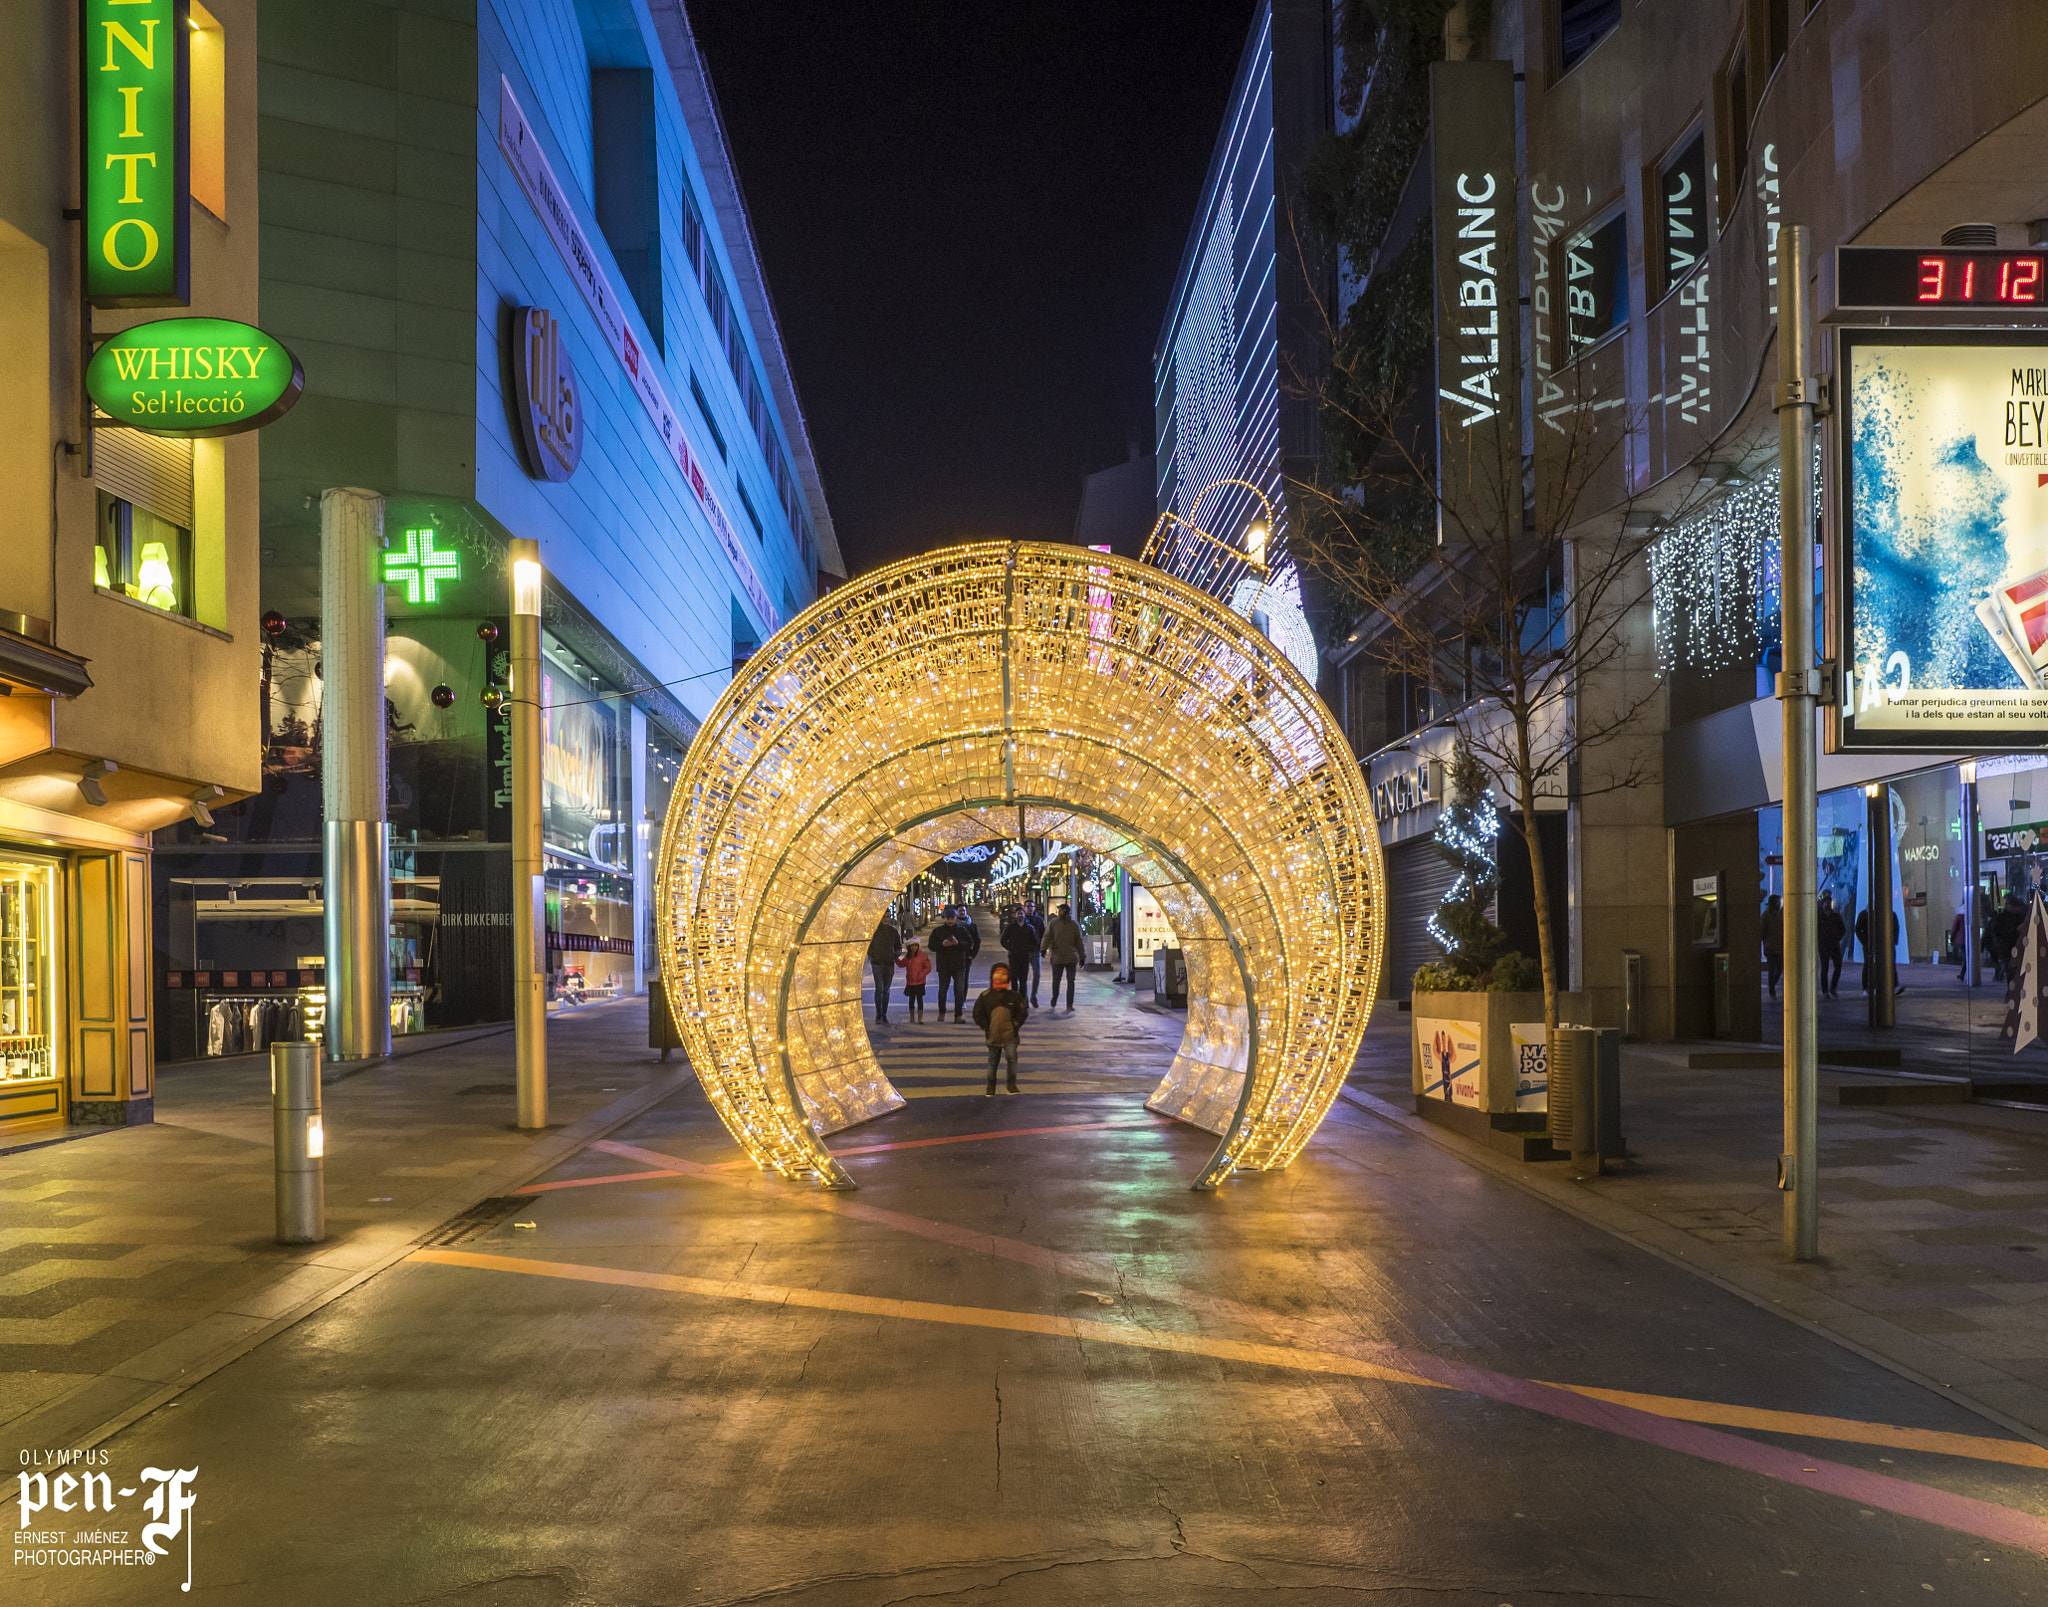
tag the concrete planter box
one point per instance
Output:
(1473, 1029)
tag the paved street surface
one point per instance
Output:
(1024, 1364)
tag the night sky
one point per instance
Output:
(970, 215)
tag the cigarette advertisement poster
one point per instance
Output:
(1945, 524)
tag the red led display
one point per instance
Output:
(1884, 276)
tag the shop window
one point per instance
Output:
(1596, 282)
(1682, 209)
(208, 113)
(1582, 24)
(27, 938)
(142, 555)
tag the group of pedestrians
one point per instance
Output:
(949, 950)
(2000, 937)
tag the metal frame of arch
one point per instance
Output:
(999, 689)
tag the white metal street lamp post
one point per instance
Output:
(529, 892)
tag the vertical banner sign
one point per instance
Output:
(1478, 291)
(135, 76)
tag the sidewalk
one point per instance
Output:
(1934, 1218)
(136, 1260)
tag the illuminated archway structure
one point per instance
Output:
(1019, 689)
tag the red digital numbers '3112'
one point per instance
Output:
(1956, 279)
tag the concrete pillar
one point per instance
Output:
(357, 840)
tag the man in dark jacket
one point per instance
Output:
(1036, 922)
(883, 948)
(1018, 941)
(1830, 930)
(1866, 931)
(2002, 935)
(1000, 1013)
(950, 951)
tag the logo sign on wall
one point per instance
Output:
(1478, 289)
(194, 377)
(1942, 627)
(545, 399)
(135, 72)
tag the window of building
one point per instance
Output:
(1682, 208)
(1596, 282)
(1582, 24)
(625, 176)
(143, 555)
(1778, 28)
(1731, 127)
(704, 409)
(747, 502)
(208, 112)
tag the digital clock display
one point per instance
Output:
(1888, 276)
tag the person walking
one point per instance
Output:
(917, 966)
(1830, 930)
(1063, 948)
(1036, 922)
(883, 948)
(1019, 942)
(2003, 935)
(1001, 1013)
(972, 928)
(1774, 941)
(950, 955)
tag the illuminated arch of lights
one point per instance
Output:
(1007, 689)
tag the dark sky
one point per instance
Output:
(970, 215)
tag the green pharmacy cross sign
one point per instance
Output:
(419, 568)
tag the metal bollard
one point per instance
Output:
(300, 1141)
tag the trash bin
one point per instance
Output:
(1170, 978)
(1585, 1097)
(661, 1026)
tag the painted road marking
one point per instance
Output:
(586, 1182)
(1929, 1505)
(1544, 1397)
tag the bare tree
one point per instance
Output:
(1517, 594)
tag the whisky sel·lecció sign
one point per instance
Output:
(134, 139)
(194, 377)
(1478, 280)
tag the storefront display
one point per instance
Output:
(27, 996)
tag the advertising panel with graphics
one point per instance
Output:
(1450, 1061)
(1943, 620)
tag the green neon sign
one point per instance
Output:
(420, 568)
(194, 377)
(135, 67)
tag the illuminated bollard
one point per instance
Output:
(301, 1143)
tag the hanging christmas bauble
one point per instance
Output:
(444, 697)
(487, 632)
(274, 623)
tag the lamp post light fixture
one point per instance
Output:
(529, 892)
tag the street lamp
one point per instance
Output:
(1257, 534)
(529, 892)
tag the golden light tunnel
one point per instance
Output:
(1018, 689)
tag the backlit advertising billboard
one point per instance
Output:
(1942, 587)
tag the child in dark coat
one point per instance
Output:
(1000, 1013)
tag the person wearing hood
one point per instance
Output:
(916, 966)
(1063, 947)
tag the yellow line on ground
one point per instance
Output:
(1021, 1322)
(2019, 1453)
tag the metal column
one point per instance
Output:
(356, 832)
(1972, 947)
(1881, 952)
(1799, 1165)
(299, 1143)
(529, 890)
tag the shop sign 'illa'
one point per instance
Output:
(547, 403)
(135, 70)
(193, 377)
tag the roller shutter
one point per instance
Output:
(151, 471)
(1418, 876)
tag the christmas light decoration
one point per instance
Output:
(974, 695)
(1714, 580)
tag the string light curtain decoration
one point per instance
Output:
(1714, 581)
(977, 694)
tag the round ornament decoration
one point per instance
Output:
(487, 633)
(274, 623)
(193, 378)
(444, 696)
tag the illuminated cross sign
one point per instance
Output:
(419, 568)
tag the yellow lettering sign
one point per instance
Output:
(143, 50)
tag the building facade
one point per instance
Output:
(128, 595)
(1663, 146)
(508, 244)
